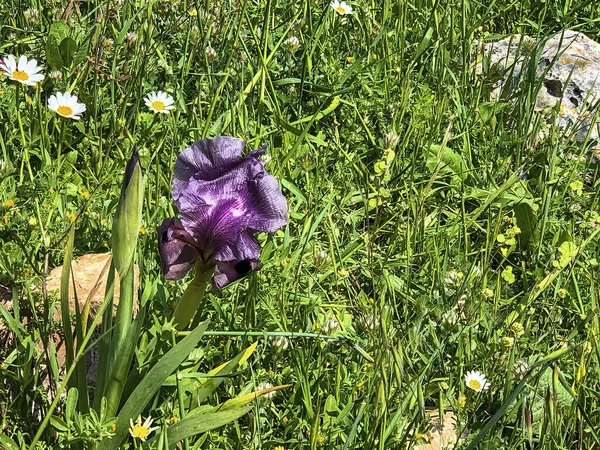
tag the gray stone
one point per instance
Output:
(568, 71)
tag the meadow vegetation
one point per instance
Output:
(441, 252)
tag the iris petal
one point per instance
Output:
(226, 272)
(217, 207)
(177, 256)
(204, 158)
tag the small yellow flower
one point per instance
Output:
(142, 230)
(141, 430)
(85, 194)
(360, 385)
(10, 203)
(113, 427)
(5, 220)
(193, 12)
(517, 328)
(279, 447)
(285, 420)
(349, 59)
(173, 419)
(577, 187)
(271, 373)
(320, 440)
(73, 217)
(29, 100)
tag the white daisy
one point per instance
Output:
(25, 71)
(159, 102)
(141, 430)
(66, 105)
(342, 8)
(476, 381)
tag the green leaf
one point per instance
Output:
(151, 383)
(53, 54)
(201, 423)
(8, 443)
(84, 48)
(71, 407)
(243, 400)
(446, 160)
(59, 30)
(209, 385)
(67, 48)
(424, 43)
(527, 221)
(64, 301)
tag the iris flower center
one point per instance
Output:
(64, 110)
(158, 105)
(20, 75)
(474, 384)
(140, 431)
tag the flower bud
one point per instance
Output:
(128, 217)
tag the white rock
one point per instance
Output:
(569, 65)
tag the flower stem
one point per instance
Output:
(60, 146)
(23, 140)
(191, 298)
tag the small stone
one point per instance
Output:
(86, 272)
(442, 434)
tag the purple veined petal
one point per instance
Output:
(203, 158)
(222, 213)
(226, 272)
(175, 247)
(270, 208)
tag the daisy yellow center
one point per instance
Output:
(474, 384)
(158, 105)
(341, 9)
(140, 431)
(64, 110)
(20, 75)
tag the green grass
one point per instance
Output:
(404, 188)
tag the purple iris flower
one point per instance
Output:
(223, 199)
